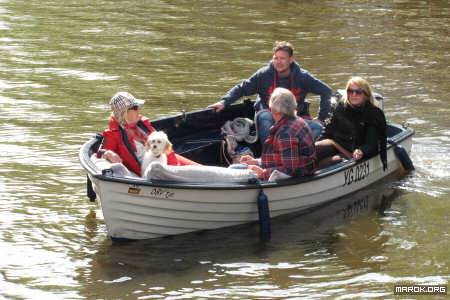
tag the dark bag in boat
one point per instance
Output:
(238, 136)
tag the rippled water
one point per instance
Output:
(61, 61)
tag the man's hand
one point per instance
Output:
(218, 106)
(257, 169)
(247, 159)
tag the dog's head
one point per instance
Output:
(158, 143)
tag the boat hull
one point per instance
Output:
(140, 209)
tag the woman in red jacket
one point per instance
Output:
(123, 141)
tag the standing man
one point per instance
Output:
(282, 71)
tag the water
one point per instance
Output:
(60, 63)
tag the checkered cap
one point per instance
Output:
(123, 101)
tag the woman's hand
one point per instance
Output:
(257, 169)
(358, 154)
(247, 159)
(112, 157)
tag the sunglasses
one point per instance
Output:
(134, 108)
(357, 92)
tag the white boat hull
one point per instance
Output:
(139, 210)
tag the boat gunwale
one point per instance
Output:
(88, 165)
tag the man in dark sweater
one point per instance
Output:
(282, 71)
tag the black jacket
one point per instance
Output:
(359, 128)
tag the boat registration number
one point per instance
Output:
(356, 173)
(161, 193)
(154, 192)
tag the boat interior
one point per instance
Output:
(197, 135)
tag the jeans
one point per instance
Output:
(315, 127)
(265, 121)
(238, 166)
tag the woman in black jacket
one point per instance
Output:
(356, 130)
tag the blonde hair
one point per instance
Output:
(282, 101)
(120, 117)
(364, 86)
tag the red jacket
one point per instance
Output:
(116, 140)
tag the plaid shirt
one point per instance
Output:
(289, 148)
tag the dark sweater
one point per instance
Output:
(359, 128)
(299, 81)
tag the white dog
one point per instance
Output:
(156, 149)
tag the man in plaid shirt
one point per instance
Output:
(290, 145)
